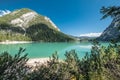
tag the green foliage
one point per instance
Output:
(112, 11)
(41, 32)
(13, 68)
(38, 32)
(8, 32)
(53, 70)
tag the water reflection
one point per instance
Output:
(47, 49)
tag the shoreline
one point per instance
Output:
(37, 61)
(32, 62)
(15, 42)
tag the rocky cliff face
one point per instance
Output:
(112, 32)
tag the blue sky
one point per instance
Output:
(73, 17)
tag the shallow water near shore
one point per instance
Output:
(44, 50)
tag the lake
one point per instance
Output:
(41, 50)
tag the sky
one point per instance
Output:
(73, 17)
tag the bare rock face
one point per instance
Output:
(112, 32)
(24, 19)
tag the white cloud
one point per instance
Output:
(4, 12)
(91, 35)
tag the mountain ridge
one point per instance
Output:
(23, 15)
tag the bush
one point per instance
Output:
(13, 68)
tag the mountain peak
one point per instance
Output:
(26, 9)
(26, 17)
(23, 10)
(19, 12)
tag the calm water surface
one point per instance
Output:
(40, 50)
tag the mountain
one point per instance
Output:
(112, 32)
(25, 18)
(88, 36)
(26, 24)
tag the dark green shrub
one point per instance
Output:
(13, 68)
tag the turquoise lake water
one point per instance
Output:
(41, 50)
